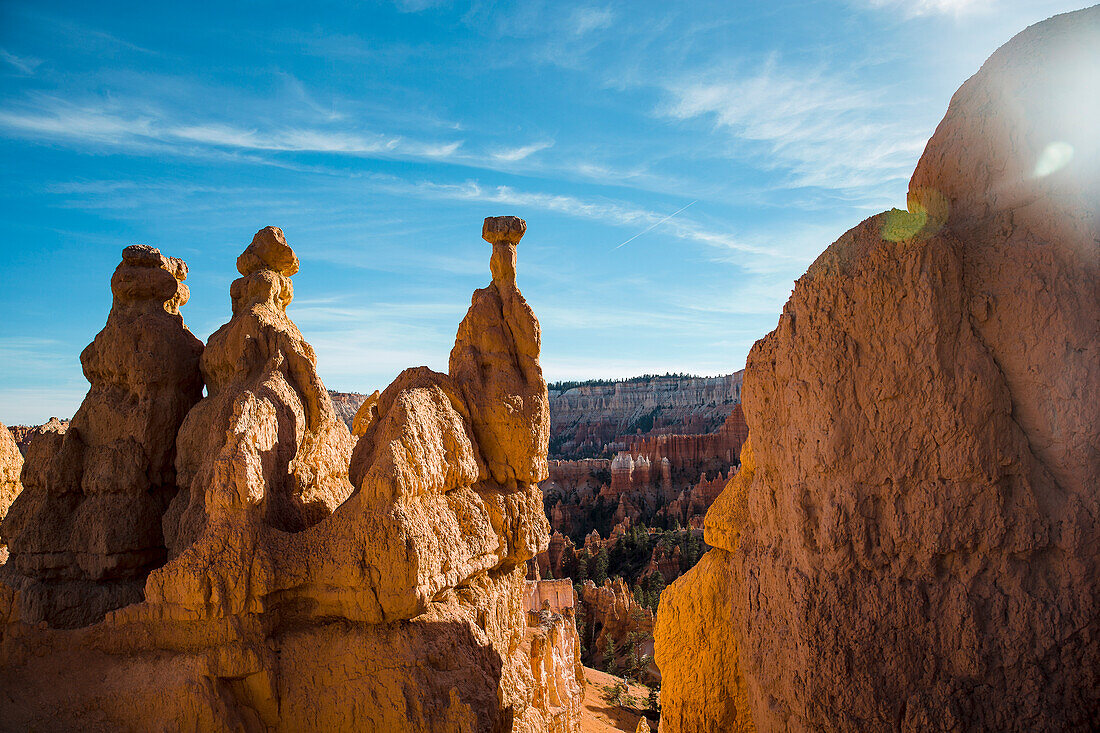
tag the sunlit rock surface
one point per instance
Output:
(912, 541)
(11, 463)
(311, 585)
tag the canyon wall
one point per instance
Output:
(912, 542)
(585, 418)
(24, 434)
(304, 580)
(346, 404)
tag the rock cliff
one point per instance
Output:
(587, 417)
(912, 541)
(310, 584)
(24, 434)
(661, 480)
(613, 618)
(346, 405)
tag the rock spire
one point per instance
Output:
(86, 529)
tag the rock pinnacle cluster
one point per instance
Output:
(240, 561)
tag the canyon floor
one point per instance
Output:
(598, 716)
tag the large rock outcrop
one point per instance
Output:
(304, 593)
(912, 542)
(11, 463)
(85, 532)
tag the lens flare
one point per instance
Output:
(1053, 158)
(899, 225)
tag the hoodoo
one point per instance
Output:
(912, 542)
(301, 593)
(85, 532)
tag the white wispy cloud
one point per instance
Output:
(608, 212)
(511, 155)
(914, 8)
(59, 120)
(587, 19)
(416, 6)
(822, 130)
(25, 64)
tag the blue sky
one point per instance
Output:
(378, 135)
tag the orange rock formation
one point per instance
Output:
(301, 594)
(86, 531)
(615, 616)
(912, 542)
(11, 463)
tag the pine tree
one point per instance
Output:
(656, 585)
(609, 651)
(613, 693)
(653, 702)
(599, 573)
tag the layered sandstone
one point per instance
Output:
(11, 463)
(586, 418)
(555, 653)
(301, 594)
(660, 479)
(689, 455)
(346, 404)
(262, 453)
(912, 542)
(86, 531)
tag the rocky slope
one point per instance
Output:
(309, 585)
(912, 542)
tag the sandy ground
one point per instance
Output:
(599, 717)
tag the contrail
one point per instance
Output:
(654, 226)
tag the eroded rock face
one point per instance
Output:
(11, 463)
(86, 530)
(912, 541)
(586, 418)
(495, 364)
(302, 594)
(24, 434)
(555, 654)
